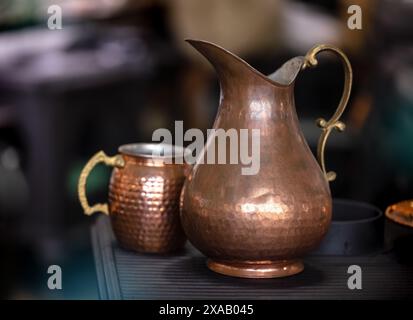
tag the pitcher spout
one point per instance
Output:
(228, 65)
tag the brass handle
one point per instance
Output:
(334, 123)
(100, 157)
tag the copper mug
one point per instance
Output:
(144, 191)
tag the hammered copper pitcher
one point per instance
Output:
(260, 226)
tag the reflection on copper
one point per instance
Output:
(144, 195)
(401, 212)
(257, 226)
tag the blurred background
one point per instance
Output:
(119, 69)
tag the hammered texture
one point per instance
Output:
(284, 210)
(144, 206)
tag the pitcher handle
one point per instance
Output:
(334, 123)
(100, 157)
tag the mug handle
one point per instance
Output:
(334, 123)
(100, 157)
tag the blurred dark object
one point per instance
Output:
(13, 200)
(383, 170)
(393, 22)
(402, 249)
(399, 239)
(330, 5)
(76, 91)
(356, 229)
(13, 185)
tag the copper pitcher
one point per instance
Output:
(144, 194)
(260, 226)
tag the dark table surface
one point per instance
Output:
(125, 274)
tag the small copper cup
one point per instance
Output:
(144, 192)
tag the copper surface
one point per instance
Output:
(144, 202)
(401, 212)
(257, 226)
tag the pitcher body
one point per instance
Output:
(257, 225)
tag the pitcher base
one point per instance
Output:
(257, 270)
